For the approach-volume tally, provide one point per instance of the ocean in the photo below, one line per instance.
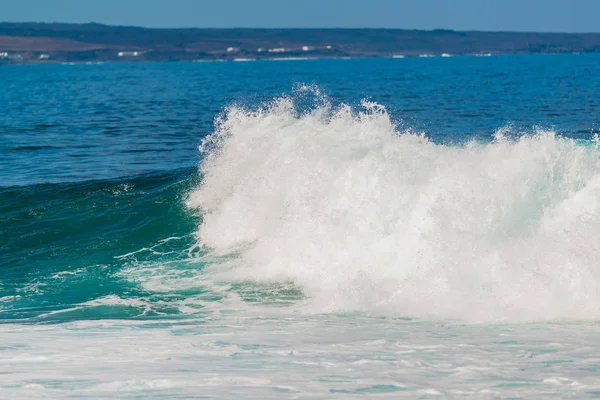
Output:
(302, 229)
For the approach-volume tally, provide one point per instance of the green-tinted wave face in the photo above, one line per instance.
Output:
(63, 244)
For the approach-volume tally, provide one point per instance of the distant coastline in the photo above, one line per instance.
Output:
(80, 43)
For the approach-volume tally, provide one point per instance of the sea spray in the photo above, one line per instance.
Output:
(364, 217)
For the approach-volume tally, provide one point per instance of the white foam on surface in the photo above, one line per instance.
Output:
(254, 355)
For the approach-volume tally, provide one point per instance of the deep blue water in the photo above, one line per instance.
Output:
(78, 122)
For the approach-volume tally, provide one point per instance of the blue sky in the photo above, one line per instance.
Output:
(517, 15)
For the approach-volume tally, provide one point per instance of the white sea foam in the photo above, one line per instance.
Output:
(251, 355)
(364, 217)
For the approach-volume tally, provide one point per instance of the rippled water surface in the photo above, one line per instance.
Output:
(75, 122)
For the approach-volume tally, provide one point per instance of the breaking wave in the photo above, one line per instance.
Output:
(364, 216)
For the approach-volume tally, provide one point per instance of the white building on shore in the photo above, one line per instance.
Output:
(129, 53)
(7, 56)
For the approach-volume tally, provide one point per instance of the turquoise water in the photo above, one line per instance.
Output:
(301, 229)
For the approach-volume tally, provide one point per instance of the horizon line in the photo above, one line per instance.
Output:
(297, 28)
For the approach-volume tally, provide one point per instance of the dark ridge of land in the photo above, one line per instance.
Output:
(59, 42)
